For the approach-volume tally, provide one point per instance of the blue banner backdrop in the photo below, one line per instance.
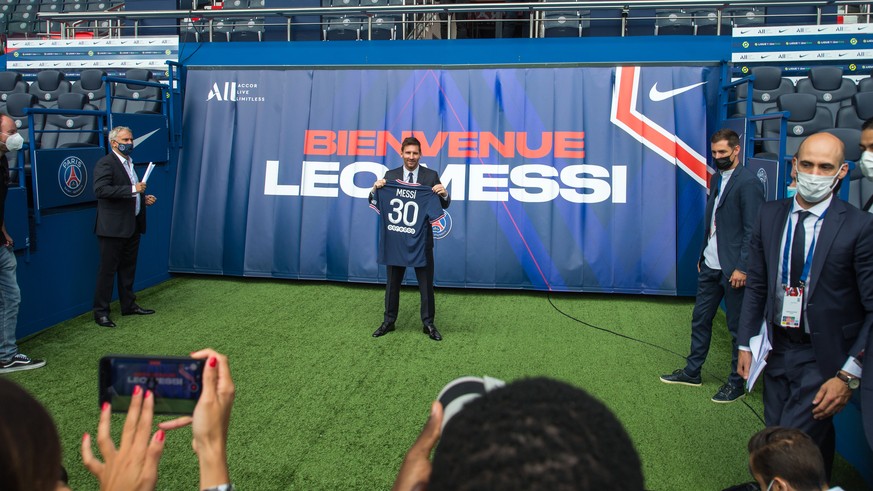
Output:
(566, 179)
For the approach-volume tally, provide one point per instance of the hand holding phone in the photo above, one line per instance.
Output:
(176, 382)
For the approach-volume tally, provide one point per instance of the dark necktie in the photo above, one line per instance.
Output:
(409, 178)
(797, 245)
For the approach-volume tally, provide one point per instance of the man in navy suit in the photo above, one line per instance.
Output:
(731, 211)
(811, 283)
(121, 219)
(412, 172)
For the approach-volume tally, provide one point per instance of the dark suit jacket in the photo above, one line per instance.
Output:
(426, 177)
(735, 217)
(116, 206)
(840, 292)
(867, 391)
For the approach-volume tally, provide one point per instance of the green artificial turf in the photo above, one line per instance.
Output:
(323, 405)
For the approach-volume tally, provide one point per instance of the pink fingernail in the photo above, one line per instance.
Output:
(85, 437)
(136, 390)
(105, 406)
(213, 361)
(148, 394)
(160, 435)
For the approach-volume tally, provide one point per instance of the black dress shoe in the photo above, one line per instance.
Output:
(104, 321)
(139, 311)
(432, 332)
(384, 329)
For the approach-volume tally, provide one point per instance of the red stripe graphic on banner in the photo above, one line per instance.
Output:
(665, 144)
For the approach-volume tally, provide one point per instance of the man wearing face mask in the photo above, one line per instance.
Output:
(810, 277)
(10, 295)
(731, 209)
(866, 163)
(121, 219)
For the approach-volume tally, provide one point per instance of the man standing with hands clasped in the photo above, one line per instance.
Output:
(811, 283)
(731, 210)
(121, 219)
(415, 174)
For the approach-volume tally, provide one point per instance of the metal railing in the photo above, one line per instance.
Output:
(424, 17)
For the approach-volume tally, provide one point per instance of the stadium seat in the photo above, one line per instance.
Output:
(133, 98)
(74, 6)
(561, 23)
(851, 138)
(49, 85)
(640, 22)
(221, 29)
(248, 30)
(26, 6)
(342, 28)
(193, 31)
(382, 28)
(673, 22)
(92, 86)
(861, 110)
(64, 131)
(860, 188)
(706, 23)
(766, 89)
(865, 84)
(745, 17)
(21, 24)
(791, 15)
(7, 6)
(805, 118)
(829, 87)
(10, 83)
(52, 7)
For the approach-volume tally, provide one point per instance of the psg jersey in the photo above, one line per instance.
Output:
(408, 210)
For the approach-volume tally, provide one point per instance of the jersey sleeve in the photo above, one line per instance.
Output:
(434, 209)
(374, 200)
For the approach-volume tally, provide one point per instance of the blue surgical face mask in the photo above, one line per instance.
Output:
(790, 192)
(125, 148)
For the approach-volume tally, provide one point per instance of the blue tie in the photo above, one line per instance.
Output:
(409, 179)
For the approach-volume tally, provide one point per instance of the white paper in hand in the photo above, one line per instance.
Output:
(760, 346)
(148, 172)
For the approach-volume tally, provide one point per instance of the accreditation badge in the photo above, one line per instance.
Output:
(792, 306)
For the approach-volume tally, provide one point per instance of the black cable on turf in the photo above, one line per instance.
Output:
(652, 345)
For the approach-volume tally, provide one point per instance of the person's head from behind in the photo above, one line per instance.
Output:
(30, 451)
(535, 434)
(786, 459)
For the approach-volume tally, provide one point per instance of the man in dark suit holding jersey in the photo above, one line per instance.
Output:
(121, 219)
(811, 283)
(412, 172)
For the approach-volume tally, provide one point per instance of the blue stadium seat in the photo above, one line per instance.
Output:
(865, 84)
(861, 110)
(133, 98)
(382, 28)
(640, 22)
(15, 105)
(67, 131)
(829, 87)
(49, 85)
(10, 83)
(745, 17)
(806, 118)
(92, 86)
(560, 23)
(791, 15)
(673, 22)
(248, 29)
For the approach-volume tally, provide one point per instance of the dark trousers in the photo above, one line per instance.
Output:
(117, 256)
(791, 381)
(712, 287)
(424, 275)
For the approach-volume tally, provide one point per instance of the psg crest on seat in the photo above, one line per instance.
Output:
(72, 176)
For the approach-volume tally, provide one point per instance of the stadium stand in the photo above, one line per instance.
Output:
(133, 98)
(10, 83)
(805, 118)
(92, 86)
(854, 115)
(673, 22)
(65, 131)
(830, 88)
(49, 85)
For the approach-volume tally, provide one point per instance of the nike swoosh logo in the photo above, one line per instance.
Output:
(143, 138)
(657, 96)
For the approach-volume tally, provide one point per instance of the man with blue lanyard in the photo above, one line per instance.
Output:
(810, 280)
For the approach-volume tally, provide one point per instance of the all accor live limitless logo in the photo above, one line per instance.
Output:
(234, 92)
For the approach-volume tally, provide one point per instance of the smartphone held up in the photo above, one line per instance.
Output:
(176, 382)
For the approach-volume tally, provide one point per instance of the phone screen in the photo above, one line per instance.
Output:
(176, 382)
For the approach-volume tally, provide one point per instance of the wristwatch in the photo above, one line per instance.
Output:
(851, 382)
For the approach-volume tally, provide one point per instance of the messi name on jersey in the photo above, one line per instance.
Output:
(408, 210)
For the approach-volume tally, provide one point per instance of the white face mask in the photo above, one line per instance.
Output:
(813, 188)
(866, 164)
(14, 142)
